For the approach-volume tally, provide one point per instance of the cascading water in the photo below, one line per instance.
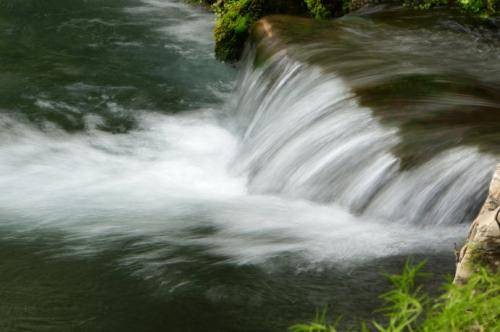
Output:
(305, 135)
(140, 192)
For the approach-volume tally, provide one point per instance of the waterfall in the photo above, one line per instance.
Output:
(293, 161)
(146, 186)
(305, 134)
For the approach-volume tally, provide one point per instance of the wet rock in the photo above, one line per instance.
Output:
(483, 242)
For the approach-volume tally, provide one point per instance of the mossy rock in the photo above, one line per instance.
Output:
(235, 17)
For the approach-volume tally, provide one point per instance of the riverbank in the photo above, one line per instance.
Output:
(236, 17)
(470, 303)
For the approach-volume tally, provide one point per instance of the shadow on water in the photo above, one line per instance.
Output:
(56, 293)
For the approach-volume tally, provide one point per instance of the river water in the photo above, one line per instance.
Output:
(144, 186)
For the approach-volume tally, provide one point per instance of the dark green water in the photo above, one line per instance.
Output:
(121, 208)
(61, 62)
(91, 294)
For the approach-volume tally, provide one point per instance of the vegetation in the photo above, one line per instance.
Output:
(471, 307)
(479, 7)
(317, 9)
(231, 28)
(483, 8)
(235, 17)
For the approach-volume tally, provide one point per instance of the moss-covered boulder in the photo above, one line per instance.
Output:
(234, 18)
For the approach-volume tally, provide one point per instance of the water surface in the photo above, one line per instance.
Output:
(146, 186)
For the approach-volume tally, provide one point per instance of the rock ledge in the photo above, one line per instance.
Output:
(483, 242)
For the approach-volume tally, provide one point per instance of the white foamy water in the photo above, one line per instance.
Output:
(167, 179)
(184, 22)
(305, 135)
(297, 168)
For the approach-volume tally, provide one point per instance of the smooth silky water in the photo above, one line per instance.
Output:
(144, 186)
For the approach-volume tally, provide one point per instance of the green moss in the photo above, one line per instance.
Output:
(231, 28)
(480, 8)
(235, 18)
(424, 4)
(317, 9)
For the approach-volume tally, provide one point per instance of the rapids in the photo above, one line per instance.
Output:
(146, 186)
